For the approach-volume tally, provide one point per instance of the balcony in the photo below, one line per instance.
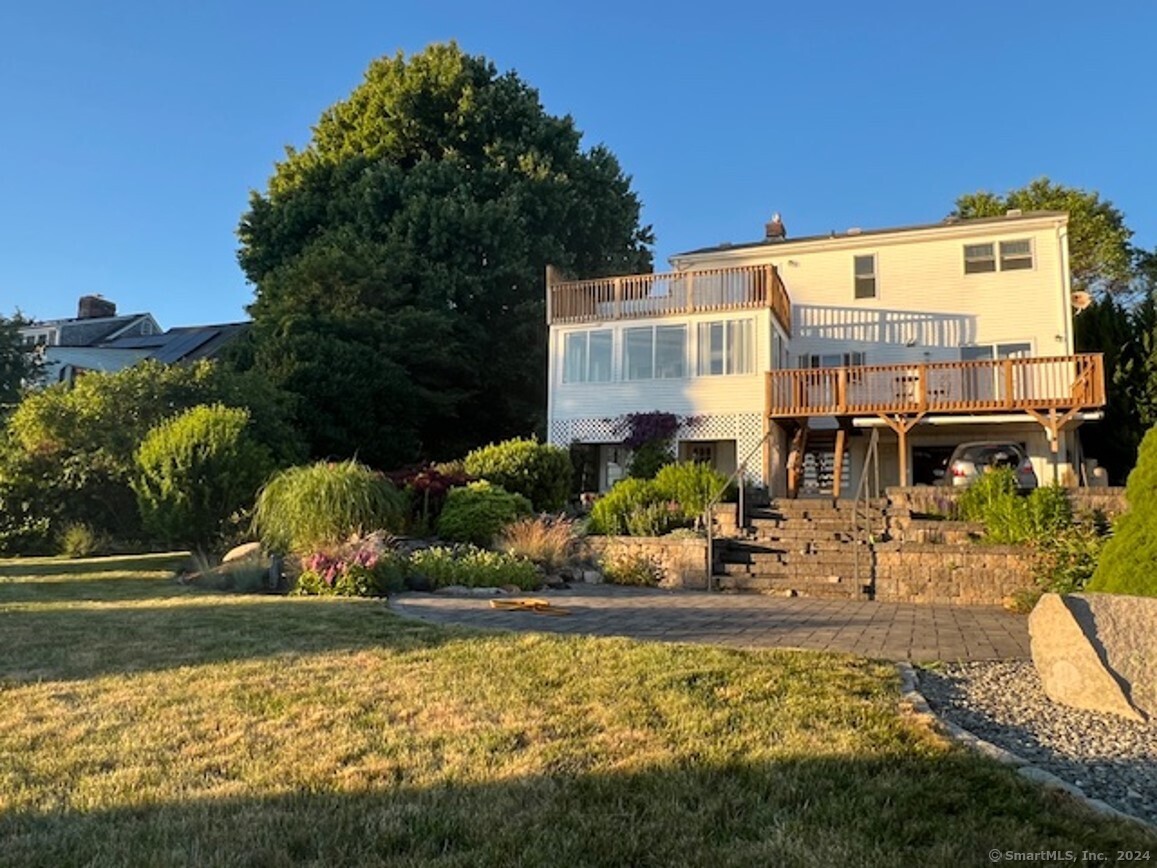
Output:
(636, 296)
(1030, 385)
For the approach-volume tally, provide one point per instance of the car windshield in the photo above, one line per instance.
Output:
(993, 455)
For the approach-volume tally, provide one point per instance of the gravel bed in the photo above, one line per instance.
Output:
(1108, 757)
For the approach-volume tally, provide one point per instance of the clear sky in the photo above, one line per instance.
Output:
(131, 132)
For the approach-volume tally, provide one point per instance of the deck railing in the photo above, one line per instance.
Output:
(950, 387)
(646, 295)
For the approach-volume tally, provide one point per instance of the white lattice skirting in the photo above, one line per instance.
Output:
(746, 429)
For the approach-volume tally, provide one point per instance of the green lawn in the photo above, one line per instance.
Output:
(143, 722)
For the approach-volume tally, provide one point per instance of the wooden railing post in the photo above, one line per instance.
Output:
(690, 278)
(1008, 402)
(922, 387)
(842, 390)
(618, 298)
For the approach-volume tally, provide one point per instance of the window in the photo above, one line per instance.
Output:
(587, 357)
(657, 352)
(979, 258)
(1015, 255)
(865, 276)
(726, 347)
(832, 360)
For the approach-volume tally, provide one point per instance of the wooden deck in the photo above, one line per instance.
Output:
(1003, 385)
(1051, 389)
(635, 296)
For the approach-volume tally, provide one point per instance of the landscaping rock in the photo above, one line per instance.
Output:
(1125, 635)
(592, 577)
(452, 590)
(1071, 671)
(554, 580)
(245, 551)
(416, 582)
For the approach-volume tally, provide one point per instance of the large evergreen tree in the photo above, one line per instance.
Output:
(398, 259)
(18, 365)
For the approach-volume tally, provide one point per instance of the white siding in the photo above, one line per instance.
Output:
(926, 307)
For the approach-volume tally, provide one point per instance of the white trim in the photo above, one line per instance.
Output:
(1018, 418)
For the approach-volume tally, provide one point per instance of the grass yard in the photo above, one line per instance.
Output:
(147, 723)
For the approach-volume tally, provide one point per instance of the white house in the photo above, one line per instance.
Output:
(934, 334)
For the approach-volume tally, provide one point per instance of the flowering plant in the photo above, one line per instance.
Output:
(364, 567)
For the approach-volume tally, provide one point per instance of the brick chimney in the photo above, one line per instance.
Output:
(94, 307)
(775, 230)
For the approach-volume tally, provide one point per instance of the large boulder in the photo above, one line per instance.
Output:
(1097, 652)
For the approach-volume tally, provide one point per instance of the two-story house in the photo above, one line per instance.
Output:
(934, 335)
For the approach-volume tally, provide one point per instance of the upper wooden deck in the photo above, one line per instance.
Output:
(1002, 385)
(635, 296)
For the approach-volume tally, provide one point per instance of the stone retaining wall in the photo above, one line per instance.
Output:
(682, 560)
(969, 574)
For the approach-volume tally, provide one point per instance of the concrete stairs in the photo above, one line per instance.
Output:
(803, 548)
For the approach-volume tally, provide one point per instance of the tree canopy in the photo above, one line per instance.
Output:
(398, 259)
(18, 366)
(1100, 255)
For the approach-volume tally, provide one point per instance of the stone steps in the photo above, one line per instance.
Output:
(833, 588)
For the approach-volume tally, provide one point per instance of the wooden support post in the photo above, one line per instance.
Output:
(838, 466)
(902, 425)
(1054, 425)
(1008, 399)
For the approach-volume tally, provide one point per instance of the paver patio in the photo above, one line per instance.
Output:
(891, 631)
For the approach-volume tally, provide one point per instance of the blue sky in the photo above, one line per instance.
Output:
(132, 132)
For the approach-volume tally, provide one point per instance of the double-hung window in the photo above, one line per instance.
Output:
(864, 270)
(587, 357)
(655, 352)
(832, 360)
(1013, 256)
(726, 347)
(979, 258)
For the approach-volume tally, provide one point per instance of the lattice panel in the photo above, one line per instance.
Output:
(746, 429)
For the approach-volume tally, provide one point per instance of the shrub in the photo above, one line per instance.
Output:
(478, 511)
(545, 540)
(318, 506)
(1128, 564)
(78, 540)
(632, 569)
(426, 488)
(690, 484)
(611, 512)
(195, 472)
(654, 520)
(538, 471)
(473, 567)
(365, 567)
(1009, 517)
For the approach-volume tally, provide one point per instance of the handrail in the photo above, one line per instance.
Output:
(871, 461)
(708, 512)
(632, 296)
(1037, 382)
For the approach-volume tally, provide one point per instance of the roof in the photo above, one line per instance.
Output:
(96, 320)
(183, 344)
(946, 223)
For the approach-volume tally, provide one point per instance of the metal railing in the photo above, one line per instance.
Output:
(861, 506)
(741, 513)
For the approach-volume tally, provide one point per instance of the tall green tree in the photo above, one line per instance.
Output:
(1100, 255)
(18, 365)
(398, 259)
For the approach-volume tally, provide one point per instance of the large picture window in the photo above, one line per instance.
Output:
(726, 347)
(587, 357)
(655, 352)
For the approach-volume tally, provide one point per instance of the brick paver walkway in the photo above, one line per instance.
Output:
(890, 631)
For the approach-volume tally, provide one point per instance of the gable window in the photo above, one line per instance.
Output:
(979, 258)
(587, 357)
(1015, 255)
(654, 352)
(865, 276)
(726, 347)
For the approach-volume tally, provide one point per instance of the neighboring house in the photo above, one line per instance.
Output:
(933, 335)
(98, 339)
